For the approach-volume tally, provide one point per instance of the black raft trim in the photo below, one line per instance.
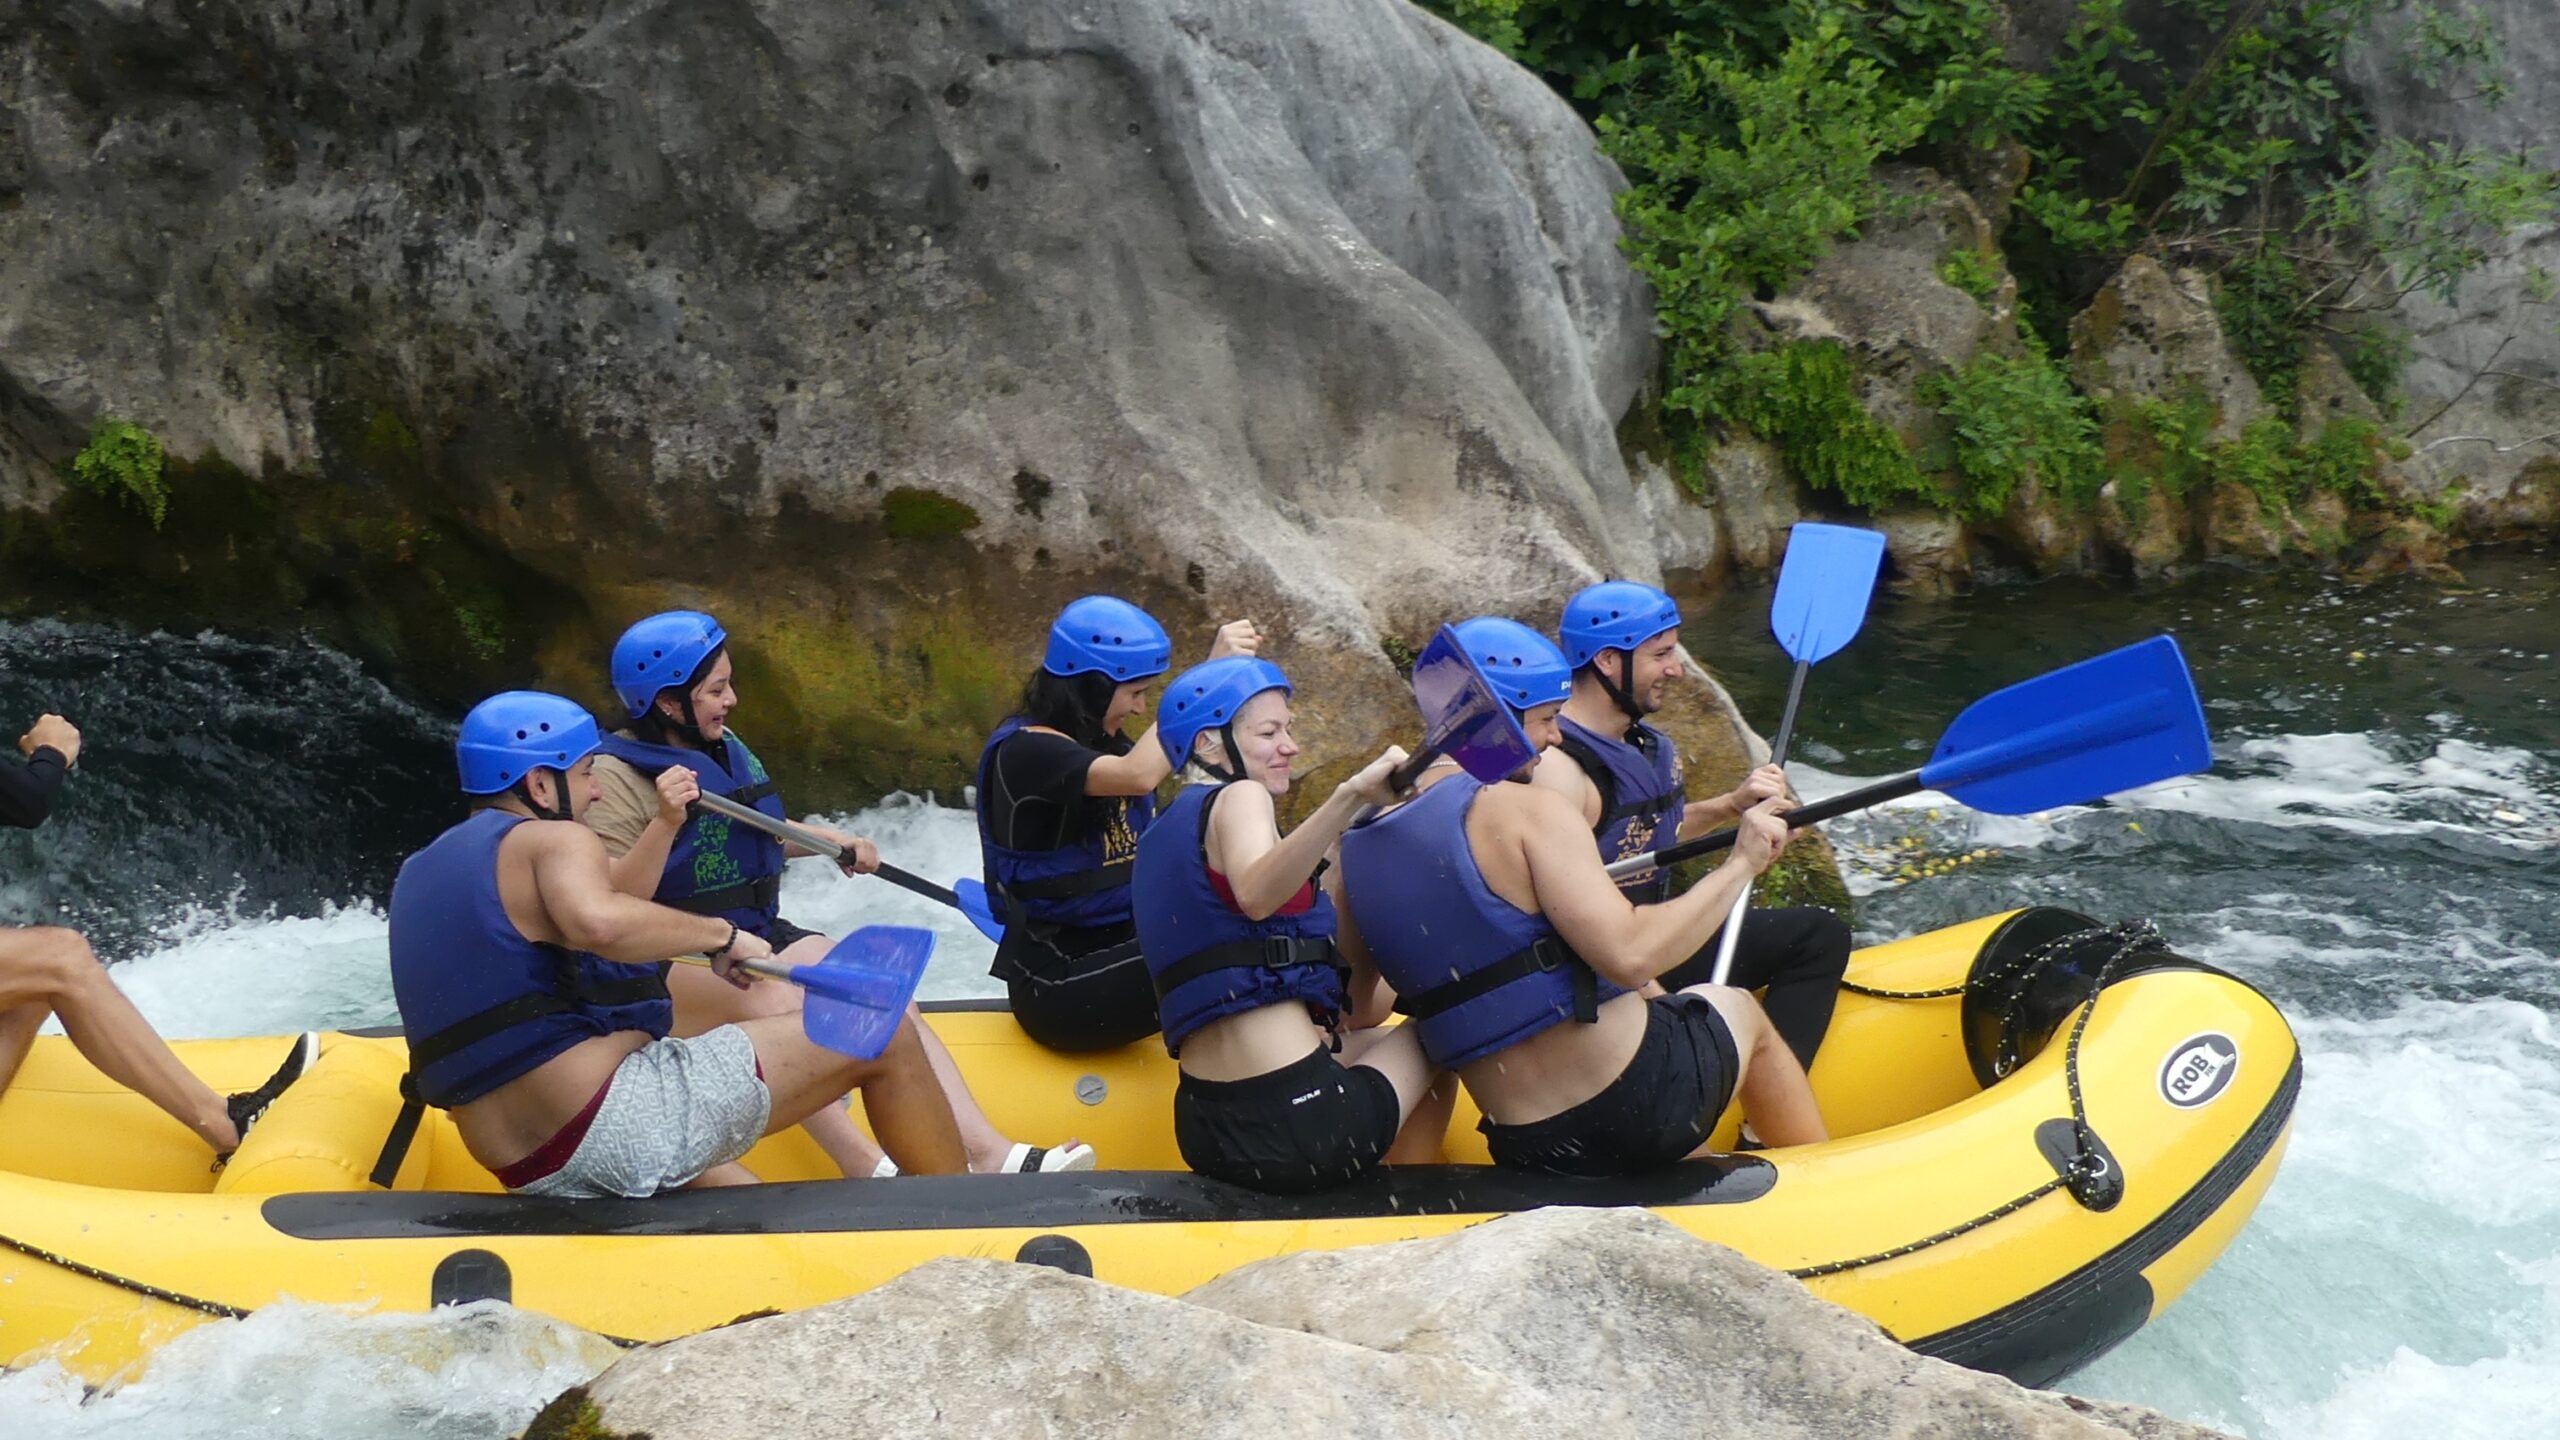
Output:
(987, 1202)
(1997, 1337)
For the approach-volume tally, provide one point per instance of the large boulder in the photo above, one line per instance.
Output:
(476, 330)
(1588, 1322)
(2484, 369)
(2151, 335)
(1886, 294)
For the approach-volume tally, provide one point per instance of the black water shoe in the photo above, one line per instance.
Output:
(248, 1105)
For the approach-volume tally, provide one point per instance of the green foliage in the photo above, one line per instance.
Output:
(1748, 131)
(2347, 459)
(124, 460)
(2432, 211)
(2267, 318)
(1750, 190)
(2264, 461)
(1802, 397)
(2439, 512)
(2374, 355)
(2018, 418)
(1975, 272)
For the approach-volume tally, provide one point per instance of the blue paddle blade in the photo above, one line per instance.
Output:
(1461, 716)
(1823, 588)
(975, 904)
(2127, 718)
(859, 992)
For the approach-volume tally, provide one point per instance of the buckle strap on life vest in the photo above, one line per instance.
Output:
(1273, 952)
(762, 893)
(1548, 953)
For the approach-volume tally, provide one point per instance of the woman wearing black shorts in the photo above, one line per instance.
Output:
(1063, 796)
(1287, 1085)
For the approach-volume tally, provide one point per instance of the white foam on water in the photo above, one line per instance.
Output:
(2403, 1274)
(293, 1371)
(220, 972)
(931, 841)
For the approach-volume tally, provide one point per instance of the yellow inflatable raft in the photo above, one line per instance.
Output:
(1960, 1205)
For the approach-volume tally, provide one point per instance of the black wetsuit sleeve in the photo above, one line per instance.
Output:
(1039, 784)
(27, 791)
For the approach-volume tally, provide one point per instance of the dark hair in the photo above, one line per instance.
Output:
(1073, 705)
(651, 724)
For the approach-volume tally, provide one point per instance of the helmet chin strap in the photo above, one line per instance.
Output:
(1234, 770)
(1618, 692)
(523, 789)
(687, 729)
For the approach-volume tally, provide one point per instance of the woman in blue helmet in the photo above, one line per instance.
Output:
(672, 672)
(1063, 796)
(1287, 1084)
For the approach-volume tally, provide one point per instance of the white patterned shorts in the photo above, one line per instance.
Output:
(673, 1109)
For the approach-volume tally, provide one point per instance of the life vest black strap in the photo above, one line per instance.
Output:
(756, 793)
(763, 893)
(1605, 780)
(1272, 952)
(1549, 953)
(573, 994)
(404, 1131)
(1075, 882)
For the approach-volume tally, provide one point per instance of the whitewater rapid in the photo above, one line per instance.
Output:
(2376, 846)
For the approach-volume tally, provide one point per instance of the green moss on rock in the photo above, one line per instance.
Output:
(908, 513)
(572, 1415)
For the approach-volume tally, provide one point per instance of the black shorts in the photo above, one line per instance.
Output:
(1077, 990)
(1661, 1107)
(1306, 1126)
(782, 934)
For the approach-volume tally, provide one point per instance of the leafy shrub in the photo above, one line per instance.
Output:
(1802, 397)
(2015, 418)
(124, 460)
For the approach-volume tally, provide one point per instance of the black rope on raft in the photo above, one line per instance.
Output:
(126, 1282)
(2131, 938)
(197, 1303)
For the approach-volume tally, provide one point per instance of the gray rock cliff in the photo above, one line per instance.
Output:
(479, 330)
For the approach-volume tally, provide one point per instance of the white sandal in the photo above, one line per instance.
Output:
(1047, 1160)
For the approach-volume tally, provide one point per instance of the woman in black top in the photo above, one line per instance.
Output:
(1062, 797)
(47, 970)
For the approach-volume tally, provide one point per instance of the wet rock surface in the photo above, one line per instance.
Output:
(1558, 1321)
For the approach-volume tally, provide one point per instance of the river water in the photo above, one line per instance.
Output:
(2375, 846)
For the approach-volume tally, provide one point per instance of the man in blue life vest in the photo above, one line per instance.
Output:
(1623, 641)
(1488, 910)
(536, 1003)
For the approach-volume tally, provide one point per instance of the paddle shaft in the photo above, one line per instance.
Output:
(1848, 802)
(772, 968)
(819, 844)
(1726, 947)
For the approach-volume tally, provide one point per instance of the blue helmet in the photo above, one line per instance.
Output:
(509, 735)
(661, 651)
(1525, 667)
(1102, 632)
(1207, 696)
(1614, 615)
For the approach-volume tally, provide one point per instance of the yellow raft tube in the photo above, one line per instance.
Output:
(1956, 1207)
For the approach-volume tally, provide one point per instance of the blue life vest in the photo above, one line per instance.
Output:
(1641, 797)
(1207, 959)
(1476, 973)
(1083, 883)
(483, 1004)
(717, 866)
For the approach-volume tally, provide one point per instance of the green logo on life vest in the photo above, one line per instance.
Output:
(713, 869)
